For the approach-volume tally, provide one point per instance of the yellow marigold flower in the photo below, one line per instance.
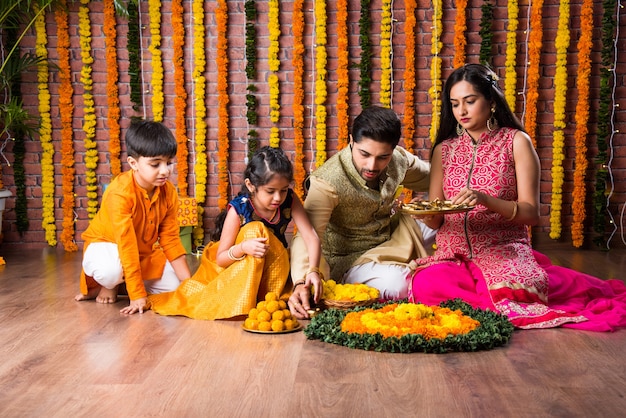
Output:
(277, 325)
(265, 326)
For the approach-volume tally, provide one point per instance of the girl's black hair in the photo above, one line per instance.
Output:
(266, 163)
(146, 138)
(485, 82)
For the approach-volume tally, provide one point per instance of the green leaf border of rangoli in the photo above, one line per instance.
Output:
(495, 330)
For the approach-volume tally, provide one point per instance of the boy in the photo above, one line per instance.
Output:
(134, 237)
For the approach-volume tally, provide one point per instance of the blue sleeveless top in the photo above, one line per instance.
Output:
(245, 210)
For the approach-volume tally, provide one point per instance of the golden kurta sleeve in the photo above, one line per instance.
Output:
(319, 204)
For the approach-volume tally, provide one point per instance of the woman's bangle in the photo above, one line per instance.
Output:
(232, 256)
(514, 211)
(314, 270)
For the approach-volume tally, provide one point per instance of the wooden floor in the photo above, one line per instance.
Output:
(61, 358)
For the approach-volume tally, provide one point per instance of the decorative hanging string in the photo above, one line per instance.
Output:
(385, 54)
(320, 82)
(221, 13)
(510, 79)
(365, 65)
(460, 41)
(144, 91)
(113, 101)
(408, 121)
(89, 112)
(274, 66)
(180, 96)
(66, 111)
(615, 105)
(297, 60)
(435, 70)
(158, 99)
(558, 143)
(45, 131)
(252, 116)
(343, 75)
(199, 111)
(585, 43)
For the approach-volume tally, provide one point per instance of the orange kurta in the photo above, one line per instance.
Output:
(214, 292)
(145, 230)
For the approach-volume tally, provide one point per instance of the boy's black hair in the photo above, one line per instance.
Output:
(150, 139)
(266, 163)
(378, 123)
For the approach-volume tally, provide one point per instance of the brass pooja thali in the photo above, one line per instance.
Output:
(435, 207)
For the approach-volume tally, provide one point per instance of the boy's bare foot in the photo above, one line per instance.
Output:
(91, 294)
(107, 295)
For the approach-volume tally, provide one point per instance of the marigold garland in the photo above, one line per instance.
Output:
(274, 66)
(113, 101)
(372, 328)
(486, 33)
(534, 58)
(297, 22)
(343, 76)
(320, 82)
(89, 112)
(221, 13)
(558, 143)
(510, 77)
(199, 85)
(66, 111)
(180, 96)
(585, 44)
(435, 70)
(365, 65)
(158, 99)
(408, 121)
(460, 26)
(385, 54)
(45, 133)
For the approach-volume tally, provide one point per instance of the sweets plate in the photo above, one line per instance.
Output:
(434, 208)
(286, 331)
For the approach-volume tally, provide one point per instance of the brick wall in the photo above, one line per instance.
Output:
(238, 83)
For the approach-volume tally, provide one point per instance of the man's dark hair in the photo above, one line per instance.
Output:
(379, 124)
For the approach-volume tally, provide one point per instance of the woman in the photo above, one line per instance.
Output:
(482, 157)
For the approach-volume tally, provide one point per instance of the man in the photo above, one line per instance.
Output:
(350, 203)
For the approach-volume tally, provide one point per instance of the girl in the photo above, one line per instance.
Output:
(251, 257)
(482, 157)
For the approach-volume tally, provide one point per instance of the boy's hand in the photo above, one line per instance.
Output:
(137, 305)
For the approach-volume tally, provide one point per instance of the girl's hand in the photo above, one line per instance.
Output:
(255, 247)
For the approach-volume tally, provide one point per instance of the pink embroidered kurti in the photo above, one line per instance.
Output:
(481, 257)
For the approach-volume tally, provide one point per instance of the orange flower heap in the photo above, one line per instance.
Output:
(399, 319)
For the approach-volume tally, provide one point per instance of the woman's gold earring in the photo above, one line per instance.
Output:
(459, 129)
(492, 122)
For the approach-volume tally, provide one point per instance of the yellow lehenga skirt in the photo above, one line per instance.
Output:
(214, 292)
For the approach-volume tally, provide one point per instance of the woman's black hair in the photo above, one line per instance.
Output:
(264, 165)
(485, 82)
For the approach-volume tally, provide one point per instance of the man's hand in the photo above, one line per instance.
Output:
(137, 305)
